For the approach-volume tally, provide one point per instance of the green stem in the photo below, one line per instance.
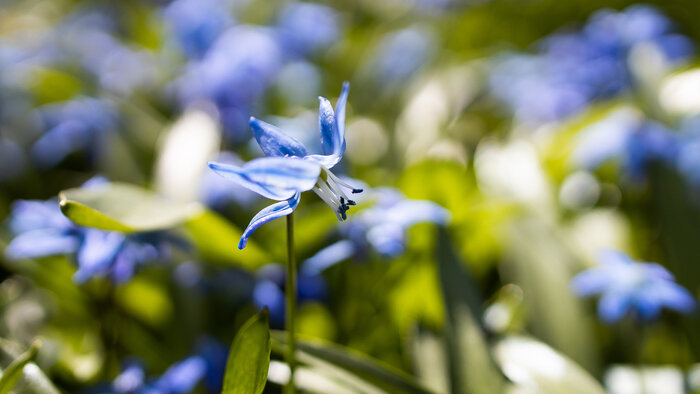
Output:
(291, 302)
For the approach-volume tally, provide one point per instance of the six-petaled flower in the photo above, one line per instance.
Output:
(629, 286)
(290, 169)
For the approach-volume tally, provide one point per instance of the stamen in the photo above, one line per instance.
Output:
(341, 182)
(355, 191)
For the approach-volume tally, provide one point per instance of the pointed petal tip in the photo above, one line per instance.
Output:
(346, 85)
(242, 243)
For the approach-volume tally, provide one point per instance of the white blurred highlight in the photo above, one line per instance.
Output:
(680, 93)
(512, 171)
(649, 380)
(184, 152)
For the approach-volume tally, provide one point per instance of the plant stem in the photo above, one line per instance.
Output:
(291, 303)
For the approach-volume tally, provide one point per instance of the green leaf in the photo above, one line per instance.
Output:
(679, 231)
(319, 353)
(471, 367)
(13, 372)
(534, 365)
(22, 375)
(249, 359)
(542, 266)
(217, 241)
(124, 207)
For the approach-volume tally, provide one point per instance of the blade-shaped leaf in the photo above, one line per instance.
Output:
(542, 266)
(217, 241)
(533, 365)
(471, 368)
(21, 375)
(124, 207)
(13, 372)
(249, 359)
(372, 371)
(679, 224)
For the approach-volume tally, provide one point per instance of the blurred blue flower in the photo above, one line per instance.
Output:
(41, 230)
(198, 23)
(401, 54)
(573, 69)
(180, 378)
(307, 27)
(381, 228)
(270, 288)
(233, 75)
(627, 137)
(628, 286)
(91, 37)
(79, 124)
(289, 169)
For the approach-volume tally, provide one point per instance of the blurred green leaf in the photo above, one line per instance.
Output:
(538, 262)
(317, 352)
(217, 241)
(21, 375)
(430, 359)
(534, 365)
(124, 207)
(10, 375)
(249, 358)
(679, 232)
(471, 368)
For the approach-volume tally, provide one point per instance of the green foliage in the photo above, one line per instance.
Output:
(124, 207)
(318, 353)
(471, 368)
(217, 240)
(22, 375)
(249, 358)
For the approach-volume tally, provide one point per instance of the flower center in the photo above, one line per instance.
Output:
(330, 188)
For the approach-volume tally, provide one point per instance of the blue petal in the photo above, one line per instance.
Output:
(591, 281)
(130, 380)
(675, 297)
(183, 376)
(277, 178)
(97, 253)
(267, 294)
(267, 215)
(409, 212)
(274, 142)
(612, 306)
(41, 243)
(328, 256)
(332, 127)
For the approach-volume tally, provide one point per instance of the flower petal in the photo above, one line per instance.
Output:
(267, 215)
(97, 252)
(332, 127)
(612, 306)
(41, 243)
(328, 256)
(274, 142)
(277, 178)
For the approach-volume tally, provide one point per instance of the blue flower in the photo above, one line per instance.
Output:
(198, 23)
(41, 230)
(79, 124)
(628, 286)
(381, 228)
(627, 137)
(571, 70)
(307, 27)
(290, 169)
(270, 288)
(180, 378)
(207, 365)
(234, 74)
